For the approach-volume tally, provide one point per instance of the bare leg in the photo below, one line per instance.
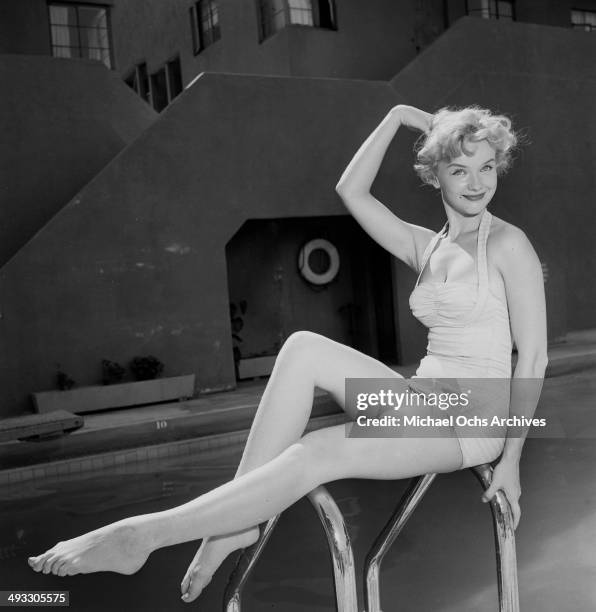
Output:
(306, 360)
(319, 457)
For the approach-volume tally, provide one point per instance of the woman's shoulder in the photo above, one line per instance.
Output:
(507, 243)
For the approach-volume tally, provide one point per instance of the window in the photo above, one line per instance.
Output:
(161, 87)
(80, 30)
(138, 80)
(204, 21)
(174, 78)
(159, 90)
(491, 9)
(276, 14)
(583, 20)
(144, 86)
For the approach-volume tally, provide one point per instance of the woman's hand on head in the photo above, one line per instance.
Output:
(506, 479)
(413, 117)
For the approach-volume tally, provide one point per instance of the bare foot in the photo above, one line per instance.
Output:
(115, 548)
(209, 557)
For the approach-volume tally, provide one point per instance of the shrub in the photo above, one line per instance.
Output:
(146, 368)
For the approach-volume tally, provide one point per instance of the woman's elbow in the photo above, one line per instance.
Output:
(340, 188)
(343, 190)
(350, 196)
(541, 363)
(534, 363)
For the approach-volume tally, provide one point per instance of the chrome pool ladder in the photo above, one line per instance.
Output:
(343, 558)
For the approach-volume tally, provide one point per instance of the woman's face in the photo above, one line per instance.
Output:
(468, 182)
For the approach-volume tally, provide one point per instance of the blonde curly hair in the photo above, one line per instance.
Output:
(451, 129)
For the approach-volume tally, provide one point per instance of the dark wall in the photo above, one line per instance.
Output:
(367, 45)
(164, 30)
(135, 263)
(371, 42)
(262, 260)
(24, 27)
(374, 39)
(355, 308)
(61, 122)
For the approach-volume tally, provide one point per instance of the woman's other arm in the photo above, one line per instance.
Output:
(404, 240)
(524, 286)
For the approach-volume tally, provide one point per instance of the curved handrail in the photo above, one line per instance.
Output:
(343, 559)
(372, 566)
(504, 542)
(344, 572)
(244, 567)
(340, 547)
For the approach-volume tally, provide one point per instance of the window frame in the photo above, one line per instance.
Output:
(140, 72)
(175, 58)
(582, 27)
(492, 15)
(198, 42)
(153, 77)
(135, 74)
(76, 5)
(265, 32)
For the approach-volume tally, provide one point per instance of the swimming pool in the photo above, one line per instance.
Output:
(444, 559)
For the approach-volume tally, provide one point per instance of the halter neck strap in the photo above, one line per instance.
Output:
(481, 268)
(481, 263)
(430, 249)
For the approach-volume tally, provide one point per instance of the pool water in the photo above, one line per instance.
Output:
(444, 559)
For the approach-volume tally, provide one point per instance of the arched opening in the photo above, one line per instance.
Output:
(321, 274)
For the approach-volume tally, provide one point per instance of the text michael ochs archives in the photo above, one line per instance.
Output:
(423, 404)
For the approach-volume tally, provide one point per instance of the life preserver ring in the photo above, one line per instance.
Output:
(318, 278)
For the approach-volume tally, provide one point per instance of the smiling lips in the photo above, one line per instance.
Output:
(475, 198)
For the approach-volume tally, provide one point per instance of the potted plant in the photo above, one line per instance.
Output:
(147, 388)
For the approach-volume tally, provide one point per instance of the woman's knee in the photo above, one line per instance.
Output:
(301, 346)
(315, 459)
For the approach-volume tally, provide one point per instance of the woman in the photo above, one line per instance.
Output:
(477, 275)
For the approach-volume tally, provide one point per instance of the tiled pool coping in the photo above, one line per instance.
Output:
(89, 463)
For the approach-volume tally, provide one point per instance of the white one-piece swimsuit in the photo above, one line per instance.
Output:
(468, 338)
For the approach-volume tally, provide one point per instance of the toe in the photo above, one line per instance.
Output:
(56, 563)
(50, 563)
(185, 582)
(37, 562)
(197, 583)
(60, 568)
(41, 561)
(46, 565)
(70, 569)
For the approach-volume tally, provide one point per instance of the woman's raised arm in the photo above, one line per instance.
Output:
(404, 240)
